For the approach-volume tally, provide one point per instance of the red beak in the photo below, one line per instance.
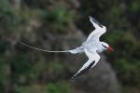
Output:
(110, 49)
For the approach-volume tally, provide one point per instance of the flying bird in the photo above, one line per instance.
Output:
(92, 47)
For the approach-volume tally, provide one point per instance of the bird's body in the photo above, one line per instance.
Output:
(92, 47)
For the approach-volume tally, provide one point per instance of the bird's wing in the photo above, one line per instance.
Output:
(99, 30)
(94, 22)
(92, 61)
(96, 35)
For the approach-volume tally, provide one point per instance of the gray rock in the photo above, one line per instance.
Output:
(100, 79)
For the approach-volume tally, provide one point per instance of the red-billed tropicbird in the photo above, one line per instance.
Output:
(92, 47)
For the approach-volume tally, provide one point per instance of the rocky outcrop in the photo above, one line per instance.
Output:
(100, 79)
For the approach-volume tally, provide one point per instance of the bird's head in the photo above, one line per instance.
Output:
(107, 47)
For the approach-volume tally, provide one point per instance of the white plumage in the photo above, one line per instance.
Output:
(92, 46)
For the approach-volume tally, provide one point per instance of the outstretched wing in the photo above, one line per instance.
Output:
(99, 30)
(84, 68)
(92, 61)
(94, 22)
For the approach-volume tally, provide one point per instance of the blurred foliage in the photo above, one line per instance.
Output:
(27, 71)
(20, 68)
(60, 18)
(126, 57)
(50, 88)
(122, 20)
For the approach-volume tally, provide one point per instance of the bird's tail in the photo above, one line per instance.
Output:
(77, 50)
(35, 48)
(73, 51)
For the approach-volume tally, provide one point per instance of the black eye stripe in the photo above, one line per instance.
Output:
(104, 45)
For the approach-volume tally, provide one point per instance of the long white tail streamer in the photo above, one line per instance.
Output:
(35, 48)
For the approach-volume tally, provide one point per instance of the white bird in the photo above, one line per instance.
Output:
(92, 47)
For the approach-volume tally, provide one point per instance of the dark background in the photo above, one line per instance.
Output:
(62, 25)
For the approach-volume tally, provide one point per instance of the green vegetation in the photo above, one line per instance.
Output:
(122, 21)
(50, 88)
(23, 70)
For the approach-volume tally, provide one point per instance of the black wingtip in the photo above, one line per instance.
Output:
(82, 71)
(94, 20)
(73, 77)
(90, 17)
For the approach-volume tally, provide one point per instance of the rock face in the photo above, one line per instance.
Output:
(100, 79)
